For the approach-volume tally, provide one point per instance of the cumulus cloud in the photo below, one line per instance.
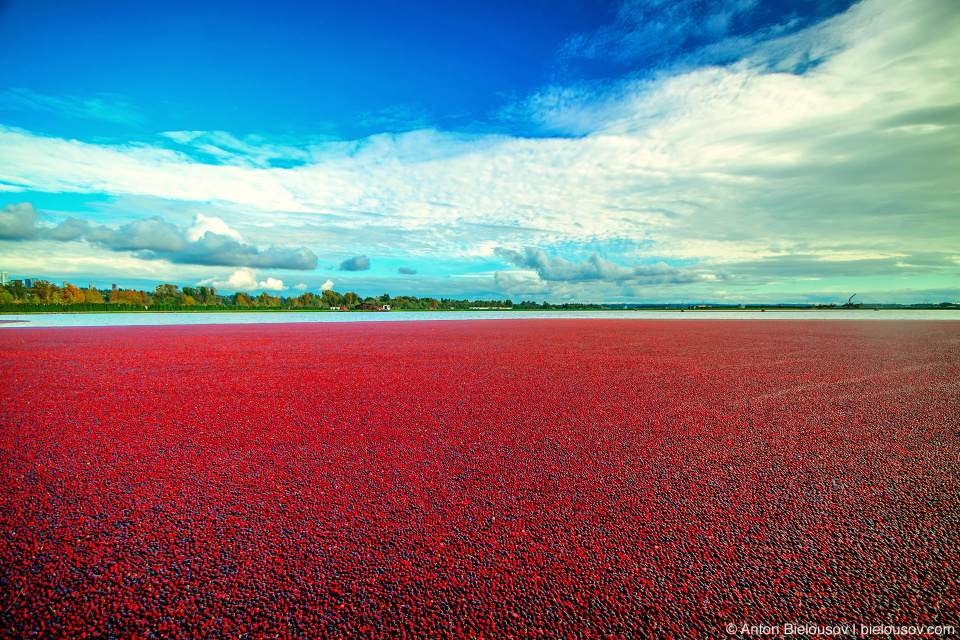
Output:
(356, 263)
(327, 286)
(300, 287)
(558, 269)
(272, 284)
(245, 280)
(208, 242)
(407, 271)
(202, 224)
(216, 250)
(70, 229)
(18, 222)
(521, 283)
(151, 234)
(239, 280)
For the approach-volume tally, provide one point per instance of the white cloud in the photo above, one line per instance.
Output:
(213, 224)
(154, 238)
(272, 284)
(18, 222)
(240, 280)
(521, 284)
(594, 268)
(245, 280)
(300, 287)
(326, 286)
(52, 164)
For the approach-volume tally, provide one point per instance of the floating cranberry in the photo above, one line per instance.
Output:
(575, 478)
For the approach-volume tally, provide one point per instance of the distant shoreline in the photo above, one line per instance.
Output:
(478, 311)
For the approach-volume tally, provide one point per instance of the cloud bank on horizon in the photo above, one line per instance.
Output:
(739, 150)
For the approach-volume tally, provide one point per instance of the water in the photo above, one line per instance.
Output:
(283, 317)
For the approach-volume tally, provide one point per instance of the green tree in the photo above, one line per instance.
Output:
(167, 294)
(205, 295)
(46, 292)
(331, 298)
(16, 289)
(307, 299)
(72, 294)
(92, 296)
(131, 296)
(266, 300)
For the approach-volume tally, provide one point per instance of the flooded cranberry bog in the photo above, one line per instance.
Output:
(575, 478)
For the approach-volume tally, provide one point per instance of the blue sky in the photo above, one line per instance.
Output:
(641, 150)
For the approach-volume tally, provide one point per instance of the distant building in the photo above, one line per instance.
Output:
(385, 307)
(3, 277)
(114, 286)
(27, 282)
(90, 286)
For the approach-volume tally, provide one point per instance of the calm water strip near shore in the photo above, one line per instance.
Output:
(287, 317)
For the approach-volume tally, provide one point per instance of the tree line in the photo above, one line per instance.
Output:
(43, 295)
